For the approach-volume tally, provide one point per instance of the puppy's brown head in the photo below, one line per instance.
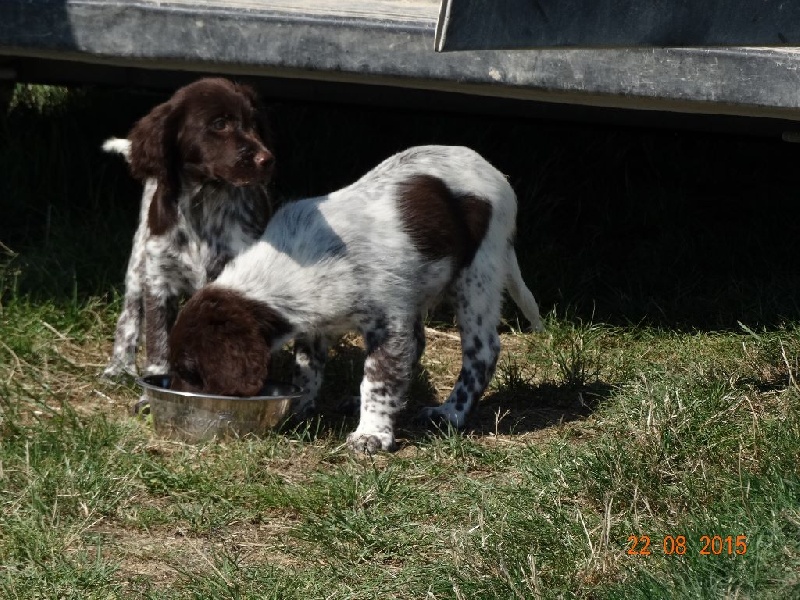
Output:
(210, 130)
(221, 343)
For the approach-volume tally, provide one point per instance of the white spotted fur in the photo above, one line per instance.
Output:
(344, 262)
(211, 229)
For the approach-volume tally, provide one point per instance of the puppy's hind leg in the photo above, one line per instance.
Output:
(478, 301)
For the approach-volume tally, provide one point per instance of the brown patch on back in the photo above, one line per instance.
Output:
(440, 223)
(221, 343)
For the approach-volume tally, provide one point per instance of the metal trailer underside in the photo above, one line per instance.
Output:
(384, 51)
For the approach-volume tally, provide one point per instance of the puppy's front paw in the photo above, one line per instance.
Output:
(370, 443)
(116, 370)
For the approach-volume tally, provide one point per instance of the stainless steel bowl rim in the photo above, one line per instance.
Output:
(146, 383)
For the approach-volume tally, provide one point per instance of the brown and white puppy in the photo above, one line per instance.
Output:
(372, 258)
(204, 158)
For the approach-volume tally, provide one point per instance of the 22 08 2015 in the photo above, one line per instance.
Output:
(709, 545)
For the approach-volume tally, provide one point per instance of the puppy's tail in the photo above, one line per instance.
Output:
(118, 146)
(520, 293)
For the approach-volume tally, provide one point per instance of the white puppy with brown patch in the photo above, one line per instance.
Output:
(372, 257)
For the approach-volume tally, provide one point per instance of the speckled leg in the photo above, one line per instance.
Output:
(352, 406)
(126, 338)
(387, 371)
(160, 310)
(478, 314)
(129, 323)
(310, 355)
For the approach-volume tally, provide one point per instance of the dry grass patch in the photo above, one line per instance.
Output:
(166, 555)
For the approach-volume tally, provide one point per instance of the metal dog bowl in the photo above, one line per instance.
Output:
(192, 418)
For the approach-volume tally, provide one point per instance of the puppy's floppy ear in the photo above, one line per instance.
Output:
(154, 141)
(163, 212)
(154, 153)
(221, 342)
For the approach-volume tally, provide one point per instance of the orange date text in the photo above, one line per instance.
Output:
(678, 545)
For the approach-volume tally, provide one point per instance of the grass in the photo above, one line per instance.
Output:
(662, 401)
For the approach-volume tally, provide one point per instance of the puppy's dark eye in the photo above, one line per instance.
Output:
(219, 124)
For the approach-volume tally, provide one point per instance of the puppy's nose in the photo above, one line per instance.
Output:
(263, 158)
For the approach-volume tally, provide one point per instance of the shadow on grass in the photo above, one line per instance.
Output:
(512, 410)
(527, 407)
